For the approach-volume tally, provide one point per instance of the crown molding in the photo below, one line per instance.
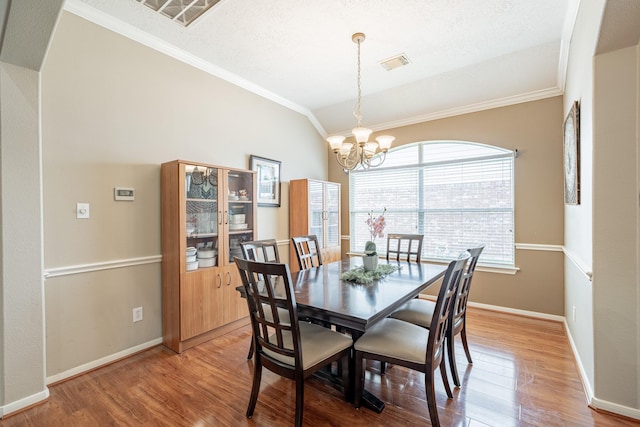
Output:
(471, 108)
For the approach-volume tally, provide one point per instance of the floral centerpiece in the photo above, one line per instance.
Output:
(376, 229)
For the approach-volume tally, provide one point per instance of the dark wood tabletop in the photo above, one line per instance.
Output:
(321, 294)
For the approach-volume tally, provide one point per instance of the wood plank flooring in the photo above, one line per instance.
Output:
(523, 375)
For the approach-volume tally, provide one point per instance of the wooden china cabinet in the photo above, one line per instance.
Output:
(314, 208)
(207, 211)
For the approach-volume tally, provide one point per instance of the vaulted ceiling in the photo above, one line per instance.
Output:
(465, 55)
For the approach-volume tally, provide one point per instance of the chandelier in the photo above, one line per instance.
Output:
(364, 153)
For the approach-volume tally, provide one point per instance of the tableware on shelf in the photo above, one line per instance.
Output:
(207, 262)
(191, 251)
(237, 219)
(238, 226)
(206, 253)
(192, 265)
(191, 258)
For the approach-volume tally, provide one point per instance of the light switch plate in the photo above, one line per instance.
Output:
(82, 210)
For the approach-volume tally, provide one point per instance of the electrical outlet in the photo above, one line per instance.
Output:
(573, 313)
(137, 314)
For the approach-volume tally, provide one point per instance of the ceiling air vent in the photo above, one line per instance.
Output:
(395, 62)
(183, 12)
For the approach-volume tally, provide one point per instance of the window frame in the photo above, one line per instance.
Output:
(493, 152)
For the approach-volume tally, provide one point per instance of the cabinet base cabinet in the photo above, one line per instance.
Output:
(207, 211)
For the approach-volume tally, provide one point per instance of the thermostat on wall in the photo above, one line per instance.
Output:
(121, 193)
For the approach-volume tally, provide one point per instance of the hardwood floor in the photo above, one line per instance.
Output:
(523, 375)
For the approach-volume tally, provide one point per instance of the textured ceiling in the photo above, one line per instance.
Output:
(465, 54)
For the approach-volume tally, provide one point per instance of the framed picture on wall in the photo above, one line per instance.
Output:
(268, 175)
(571, 149)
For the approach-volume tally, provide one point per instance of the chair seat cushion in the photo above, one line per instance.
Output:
(416, 311)
(395, 338)
(318, 344)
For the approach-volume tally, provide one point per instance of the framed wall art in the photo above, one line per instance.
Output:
(571, 151)
(268, 174)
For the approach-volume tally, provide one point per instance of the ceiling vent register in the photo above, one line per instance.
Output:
(184, 12)
(395, 62)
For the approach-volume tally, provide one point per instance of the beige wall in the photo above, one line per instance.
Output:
(535, 130)
(113, 111)
(615, 228)
(21, 303)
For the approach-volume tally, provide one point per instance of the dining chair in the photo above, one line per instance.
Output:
(404, 247)
(283, 345)
(405, 344)
(420, 312)
(260, 250)
(307, 251)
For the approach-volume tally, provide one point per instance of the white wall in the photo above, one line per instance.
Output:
(578, 220)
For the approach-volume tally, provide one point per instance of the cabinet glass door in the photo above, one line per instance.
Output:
(239, 213)
(316, 211)
(332, 208)
(202, 217)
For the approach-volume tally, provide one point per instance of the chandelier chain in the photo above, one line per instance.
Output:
(357, 113)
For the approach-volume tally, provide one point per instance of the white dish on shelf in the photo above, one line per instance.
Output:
(237, 219)
(238, 226)
(192, 266)
(206, 253)
(233, 197)
(207, 262)
(191, 258)
(243, 198)
(191, 251)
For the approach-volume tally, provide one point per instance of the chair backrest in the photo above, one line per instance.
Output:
(261, 250)
(460, 306)
(307, 251)
(268, 287)
(444, 304)
(404, 247)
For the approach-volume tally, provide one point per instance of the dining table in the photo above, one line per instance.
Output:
(323, 296)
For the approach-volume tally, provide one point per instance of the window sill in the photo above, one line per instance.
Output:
(488, 268)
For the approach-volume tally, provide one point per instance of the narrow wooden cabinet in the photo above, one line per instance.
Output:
(314, 208)
(207, 211)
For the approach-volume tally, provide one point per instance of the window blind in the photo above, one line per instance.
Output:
(456, 199)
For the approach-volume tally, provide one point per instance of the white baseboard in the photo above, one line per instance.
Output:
(588, 388)
(102, 361)
(519, 312)
(24, 402)
(615, 408)
(594, 402)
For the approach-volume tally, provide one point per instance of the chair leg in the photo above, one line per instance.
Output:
(451, 350)
(344, 370)
(255, 388)
(463, 335)
(299, 400)
(445, 378)
(250, 355)
(383, 368)
(359, 379)
(430, 389)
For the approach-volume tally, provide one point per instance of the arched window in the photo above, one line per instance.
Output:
(456, 193)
